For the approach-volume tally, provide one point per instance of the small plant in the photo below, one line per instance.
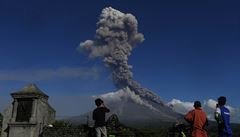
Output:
(61, 123)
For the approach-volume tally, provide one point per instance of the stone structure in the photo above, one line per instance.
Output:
(28, 113)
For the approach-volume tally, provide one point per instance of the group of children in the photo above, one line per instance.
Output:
(196, 117)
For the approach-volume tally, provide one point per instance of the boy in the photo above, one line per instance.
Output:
(225, 130)
(198, 119)
(99, 117)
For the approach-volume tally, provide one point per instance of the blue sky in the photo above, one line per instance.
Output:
(191, 48)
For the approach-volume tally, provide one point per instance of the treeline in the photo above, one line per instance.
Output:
(116, 129)
(64, 129)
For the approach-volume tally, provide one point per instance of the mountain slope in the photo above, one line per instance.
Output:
(133, 109)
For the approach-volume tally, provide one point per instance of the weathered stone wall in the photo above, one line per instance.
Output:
(45, 114)
(21, 131)
(38, 113)
(6, 118)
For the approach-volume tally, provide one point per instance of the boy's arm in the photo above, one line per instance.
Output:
(218, 117)
(106, 109)
(189, 117)
(217, 114)
(205, 124)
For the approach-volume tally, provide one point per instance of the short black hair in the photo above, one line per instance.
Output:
(222, 100)
(197, 104)
(98, 102)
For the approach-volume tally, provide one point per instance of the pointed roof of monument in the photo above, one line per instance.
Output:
(30, 90)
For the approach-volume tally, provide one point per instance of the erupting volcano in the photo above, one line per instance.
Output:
(116, 36)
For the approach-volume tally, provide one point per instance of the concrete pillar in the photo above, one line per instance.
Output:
(14, 113)
(34, 110)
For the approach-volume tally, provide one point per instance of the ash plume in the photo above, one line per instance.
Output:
(116, 36)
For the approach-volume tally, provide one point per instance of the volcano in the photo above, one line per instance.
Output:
(116, 36)
(132, 109)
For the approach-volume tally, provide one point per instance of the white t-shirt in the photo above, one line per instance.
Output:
(218, 110)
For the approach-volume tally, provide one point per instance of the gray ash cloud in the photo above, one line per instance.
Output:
(116, 36)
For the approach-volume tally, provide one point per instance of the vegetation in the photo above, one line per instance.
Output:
(61, 123)
(64, 129)
(116, 129)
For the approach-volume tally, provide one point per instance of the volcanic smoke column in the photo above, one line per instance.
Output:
(116, 36)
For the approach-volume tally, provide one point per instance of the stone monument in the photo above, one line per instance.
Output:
(28, 113)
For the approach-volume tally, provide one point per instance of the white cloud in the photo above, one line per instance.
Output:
(180, 107)
(211, 103)
(208, 106)
(48, 74)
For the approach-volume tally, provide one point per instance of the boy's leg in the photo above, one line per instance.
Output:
(98, 131)
(104, 131)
